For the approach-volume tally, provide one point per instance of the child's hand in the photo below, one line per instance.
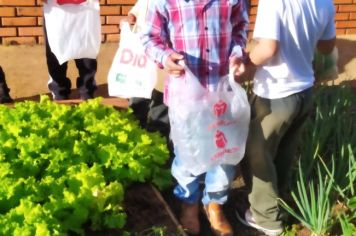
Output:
(238, 69)
(237, 66)
(172, 65)
(131, 18)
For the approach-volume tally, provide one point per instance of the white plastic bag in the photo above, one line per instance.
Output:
(208, 128)
(132, 73)
(73, 30)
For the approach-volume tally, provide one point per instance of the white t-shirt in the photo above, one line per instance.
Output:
(297, 25)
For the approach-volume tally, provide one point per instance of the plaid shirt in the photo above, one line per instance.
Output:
(206, 32)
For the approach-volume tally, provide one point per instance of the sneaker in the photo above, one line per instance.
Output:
(59, 92)
(250, 221)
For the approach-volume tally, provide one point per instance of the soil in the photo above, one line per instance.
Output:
(26, 75)
(145, 204)
(145, 209)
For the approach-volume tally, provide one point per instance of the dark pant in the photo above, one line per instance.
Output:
(2, 77)
(60, 85)
(4, 90)
(153, 115)
(270, 150)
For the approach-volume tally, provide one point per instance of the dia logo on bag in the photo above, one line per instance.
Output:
(130, 57)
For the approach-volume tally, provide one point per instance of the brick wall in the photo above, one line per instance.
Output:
(345, 16)
(21, 20)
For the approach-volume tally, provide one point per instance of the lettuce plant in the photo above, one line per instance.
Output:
(63, 167)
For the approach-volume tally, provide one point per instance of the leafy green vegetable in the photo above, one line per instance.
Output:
(63, 167)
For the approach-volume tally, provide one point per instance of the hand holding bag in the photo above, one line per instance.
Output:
(208, 128)
(73, 28)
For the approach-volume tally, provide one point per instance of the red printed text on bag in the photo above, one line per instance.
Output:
(220, 142)
(76, 2)
(129, 57)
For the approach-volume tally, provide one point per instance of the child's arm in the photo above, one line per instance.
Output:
(327, 40)
(239, 19)
(326, 46)
(263, 51)
(152, 38)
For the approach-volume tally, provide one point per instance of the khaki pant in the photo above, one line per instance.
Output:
(271, 146)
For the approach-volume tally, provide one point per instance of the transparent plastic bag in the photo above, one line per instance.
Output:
(208, 128)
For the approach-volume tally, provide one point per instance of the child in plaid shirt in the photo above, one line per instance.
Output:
(206, 35)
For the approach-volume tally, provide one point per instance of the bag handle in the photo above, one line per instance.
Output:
(236, 88)
(134, 27)
(234, 85)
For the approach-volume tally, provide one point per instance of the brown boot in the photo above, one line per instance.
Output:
(217, 219)
(189, 218)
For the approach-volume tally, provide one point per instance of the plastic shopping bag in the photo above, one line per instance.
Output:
(73, 28)
(208, 128)
(325, 66)
(132, 73)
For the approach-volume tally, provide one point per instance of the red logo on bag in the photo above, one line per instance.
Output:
(220, 108)
(128, 57)
(220, 139)
(76, 2)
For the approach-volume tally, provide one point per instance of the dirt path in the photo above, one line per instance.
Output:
(347, 60)
(26, 70)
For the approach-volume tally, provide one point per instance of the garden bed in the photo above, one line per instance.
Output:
(146, 211)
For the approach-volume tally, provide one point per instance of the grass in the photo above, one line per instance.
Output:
(326, 173)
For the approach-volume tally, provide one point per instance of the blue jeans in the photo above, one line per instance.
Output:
(217, 182)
